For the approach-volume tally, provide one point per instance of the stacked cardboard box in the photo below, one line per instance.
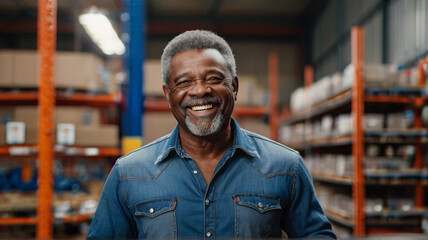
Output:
(88, 128)
(73, 70)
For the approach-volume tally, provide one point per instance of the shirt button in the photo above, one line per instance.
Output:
(260, 205)
(208, 234)
(195, 172)
(207, 202)
(151, 210)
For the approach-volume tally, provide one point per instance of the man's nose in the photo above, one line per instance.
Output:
(200, 88)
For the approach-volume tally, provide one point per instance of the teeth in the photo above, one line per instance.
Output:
(202, 107)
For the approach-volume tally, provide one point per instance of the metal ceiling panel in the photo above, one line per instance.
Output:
(265, 7)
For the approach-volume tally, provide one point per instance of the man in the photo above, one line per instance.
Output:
(208, 178)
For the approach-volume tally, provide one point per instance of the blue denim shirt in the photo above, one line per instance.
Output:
(258, 189)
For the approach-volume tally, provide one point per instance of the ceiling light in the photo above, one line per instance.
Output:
(100, 29)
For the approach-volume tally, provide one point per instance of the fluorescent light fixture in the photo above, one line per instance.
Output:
(102, 32)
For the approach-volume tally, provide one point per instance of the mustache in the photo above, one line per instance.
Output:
(189, 102)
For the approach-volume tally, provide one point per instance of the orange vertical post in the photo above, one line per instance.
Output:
(46, 35)
(273, 96)
(358, 190)
(309, 75)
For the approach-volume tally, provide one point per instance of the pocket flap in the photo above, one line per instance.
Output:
(154, 207)
(259, 202)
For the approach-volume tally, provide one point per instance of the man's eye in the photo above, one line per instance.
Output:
(214, 80)
(183, 82)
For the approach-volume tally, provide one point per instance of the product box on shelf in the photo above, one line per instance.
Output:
(78, 115)
(97, 136)
(256, 125)
(400, 121)
(2, 134)
(250, 92)
(152, 78)
(6, 68)
(78, 71)
(373, 121)
(73, 70)
(156, 125)
(380, 75)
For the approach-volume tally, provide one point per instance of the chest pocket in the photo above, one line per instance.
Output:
(255, 215)
(157, 218)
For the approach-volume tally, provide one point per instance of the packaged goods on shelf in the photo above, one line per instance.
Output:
(400, 121)
(374, 205)
(251, 93)
(336, 83)
(326, 126)
(6, 68)
(386, 164)
(79, 116)
(343, 124)
(97, 136)
(380, 75)
(152, 77)
(348, 77)
(285, 134)
(401, 204)
(343, 205)
(408, 77)
(157, 125)
(257, 125)
(333, 165)
(299, 99)
(373, 121)
(73, 70)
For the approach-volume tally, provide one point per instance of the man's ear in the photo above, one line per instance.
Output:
(166, 94)
(235, 87)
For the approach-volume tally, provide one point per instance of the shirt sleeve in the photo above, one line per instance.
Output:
(112, 219)
(305, 217)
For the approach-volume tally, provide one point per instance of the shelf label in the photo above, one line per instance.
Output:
(91, 152)
(20, 150)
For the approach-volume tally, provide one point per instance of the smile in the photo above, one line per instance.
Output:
(202, 107)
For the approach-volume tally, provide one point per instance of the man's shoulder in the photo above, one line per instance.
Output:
(264, 144)
(141, 163)
(274, 158)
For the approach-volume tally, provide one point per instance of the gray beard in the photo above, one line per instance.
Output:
(200, 129)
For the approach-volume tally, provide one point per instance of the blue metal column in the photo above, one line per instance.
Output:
(134, 27)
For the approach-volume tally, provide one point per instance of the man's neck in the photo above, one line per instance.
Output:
(207, 147)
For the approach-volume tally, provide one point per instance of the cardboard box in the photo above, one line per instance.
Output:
(156, 125)
(153, 78)
(255, 125)
(79, 116)
(6, 68)
(97, 136)
(2, 135)
(67, 74)
(32, 135)
(75, 70)
(26, 69)
(6, 114)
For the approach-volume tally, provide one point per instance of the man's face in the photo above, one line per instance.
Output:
(201, 91)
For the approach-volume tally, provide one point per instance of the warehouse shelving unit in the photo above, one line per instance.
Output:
(359, 100)
(27, 154)
(45, 151)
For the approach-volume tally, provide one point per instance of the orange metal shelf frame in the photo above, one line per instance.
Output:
(19, 98)
(31, 150)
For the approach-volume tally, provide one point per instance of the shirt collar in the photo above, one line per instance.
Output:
(240, 141)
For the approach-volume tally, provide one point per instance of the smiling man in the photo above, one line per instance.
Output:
(208, 178)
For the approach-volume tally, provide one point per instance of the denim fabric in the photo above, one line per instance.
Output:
(258, 189)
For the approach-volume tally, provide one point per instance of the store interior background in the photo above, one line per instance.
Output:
(300, 33)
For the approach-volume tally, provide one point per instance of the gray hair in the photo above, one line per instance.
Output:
(196, 39)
